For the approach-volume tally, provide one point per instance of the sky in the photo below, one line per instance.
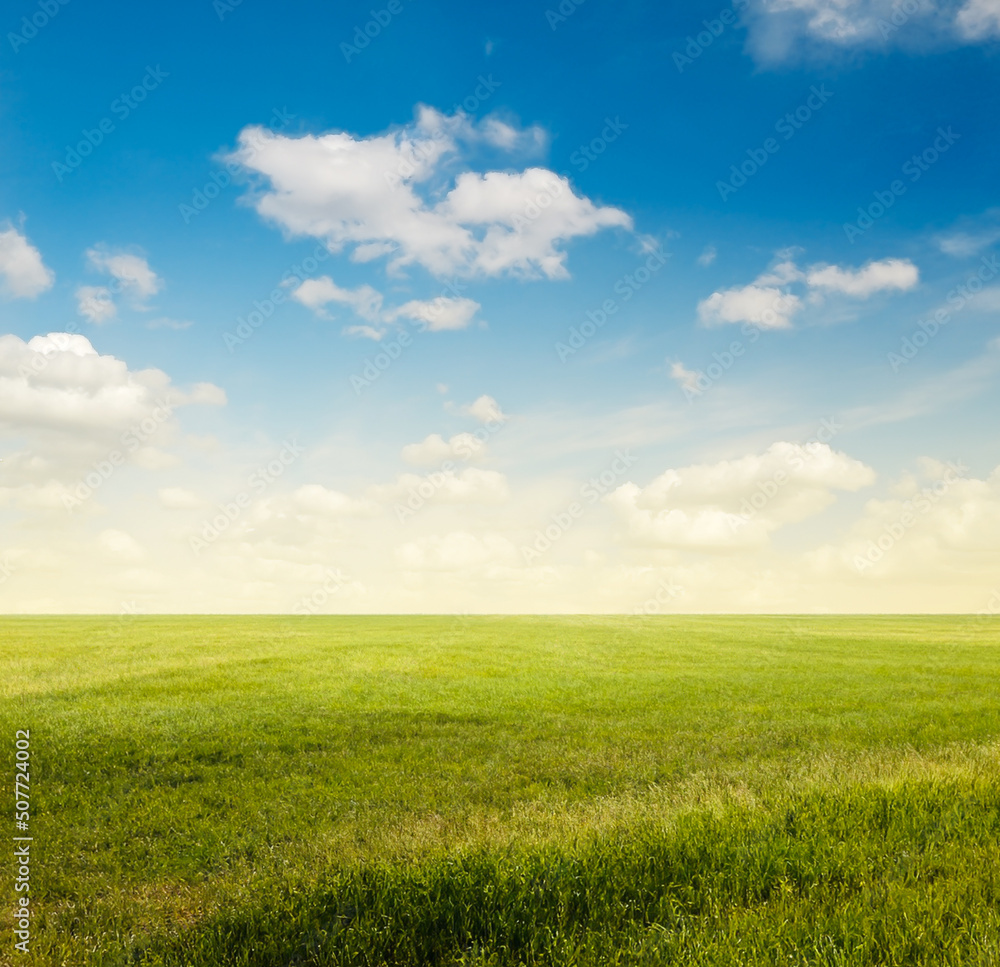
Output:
(536, 307)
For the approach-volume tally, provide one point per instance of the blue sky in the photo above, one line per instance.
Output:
(758, 326)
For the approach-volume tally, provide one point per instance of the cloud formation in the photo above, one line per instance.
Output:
(23, 274)
(63, 407)
(394, 196)
(737, 503)
(769, 302)
(130, 276)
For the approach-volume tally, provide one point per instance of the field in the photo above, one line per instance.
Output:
(641, 790)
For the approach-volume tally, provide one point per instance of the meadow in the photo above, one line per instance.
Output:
(714, 791)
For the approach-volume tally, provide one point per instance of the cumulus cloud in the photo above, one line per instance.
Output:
(301, 525)
(769, 302)
(861, 283)
(486, 410)
(434, 449)
(737, 503)
(392, 195)
(765, 306)
(936, 520)
(316, 294)
(435, 315)
(131, 277)
(438, 315)
(65, 406)
(22, 271)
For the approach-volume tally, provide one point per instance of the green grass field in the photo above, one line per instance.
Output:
(317, 791)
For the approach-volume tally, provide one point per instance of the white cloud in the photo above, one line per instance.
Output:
(769, 303)
(936, 521)
(95, 304)
(786, 29)
(434, 449)
(765, 306)
(737, 503)
(66, 407)
(486, 410)
(860, 283)
(392, 195)
(979, 20)
(707, 256)
(23, 273)
(318, 293)
(438, 315)
(131, 273)
(457, 551)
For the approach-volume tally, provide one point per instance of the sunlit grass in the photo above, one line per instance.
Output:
(271, 791)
